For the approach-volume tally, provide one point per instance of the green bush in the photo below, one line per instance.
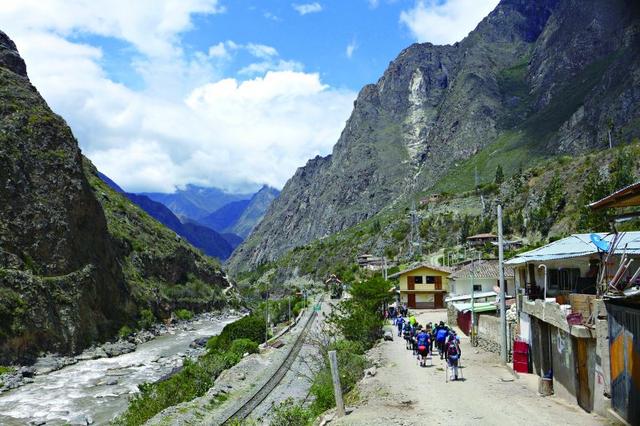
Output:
(251, 327)
(242, 346)
(184, 314)
(147, 319)
(125, 331)
(351, 366)
(5, 370)
(288, 413)
(297, 308)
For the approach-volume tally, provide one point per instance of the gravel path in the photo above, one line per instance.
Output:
(402, 393)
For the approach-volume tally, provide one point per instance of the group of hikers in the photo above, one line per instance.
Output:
(421, 339)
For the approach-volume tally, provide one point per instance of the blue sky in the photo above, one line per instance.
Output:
(232, 94)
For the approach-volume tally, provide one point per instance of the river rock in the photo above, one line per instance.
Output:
(199, 342)
(27, 371)
(111, 382)
(118, 348)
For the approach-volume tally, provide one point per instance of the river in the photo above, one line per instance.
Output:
(99, 389)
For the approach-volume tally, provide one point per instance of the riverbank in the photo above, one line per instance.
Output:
(96, 390)
(48, 363)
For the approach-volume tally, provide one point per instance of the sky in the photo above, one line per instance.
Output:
(233, 94)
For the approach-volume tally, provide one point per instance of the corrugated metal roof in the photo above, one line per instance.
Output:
(481, 269)
(476, 295)
(577, 245)
(477, 307)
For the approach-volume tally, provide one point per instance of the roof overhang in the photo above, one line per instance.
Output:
(628, 196)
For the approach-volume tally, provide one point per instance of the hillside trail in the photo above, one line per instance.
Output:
(402, 393)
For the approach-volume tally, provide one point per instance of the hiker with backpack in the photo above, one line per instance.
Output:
(453, 354)
(399, 324)
(407, 333)
(441, 338)
(422, 346)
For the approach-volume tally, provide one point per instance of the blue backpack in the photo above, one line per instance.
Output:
(422, 339)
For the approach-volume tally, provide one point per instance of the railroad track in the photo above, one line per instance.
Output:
(273, 381)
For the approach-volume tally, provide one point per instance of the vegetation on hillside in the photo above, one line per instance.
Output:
(543, 202)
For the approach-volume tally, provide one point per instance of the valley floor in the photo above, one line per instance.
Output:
(402, 393)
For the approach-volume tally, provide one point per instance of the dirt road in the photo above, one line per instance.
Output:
(402, 393)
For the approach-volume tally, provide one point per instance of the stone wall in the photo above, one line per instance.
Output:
(452, 315)
(489, 334)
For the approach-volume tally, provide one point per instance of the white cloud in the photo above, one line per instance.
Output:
(374, 3)
(218, 51)
(261, 51)
(351, 47)
(187, 124)
(445, 22)
(307, 8)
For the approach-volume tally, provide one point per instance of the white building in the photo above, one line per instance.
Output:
(480, 276)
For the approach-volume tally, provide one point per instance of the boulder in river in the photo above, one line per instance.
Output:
(199, 342)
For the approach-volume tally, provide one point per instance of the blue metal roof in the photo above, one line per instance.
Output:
(578, 245)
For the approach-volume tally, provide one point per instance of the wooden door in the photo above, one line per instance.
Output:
(438, 283)
(412, 300)
(584, 392)
(411, 283)
(439, 300)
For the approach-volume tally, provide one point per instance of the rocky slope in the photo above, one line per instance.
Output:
(533, 80)
(77, 259)
(254, 212)
(60, 282)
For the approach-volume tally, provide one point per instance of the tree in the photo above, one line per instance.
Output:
(499, 175)
(621, 171)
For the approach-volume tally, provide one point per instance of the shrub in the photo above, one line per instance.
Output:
(251, 327)
(288, 413)
(184, 314)
(147, 319)
(242, 346)
(125, 331)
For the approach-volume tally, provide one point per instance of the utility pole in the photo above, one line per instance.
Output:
(384, 266)
(473, 298)
(266, 328)
(503, 304)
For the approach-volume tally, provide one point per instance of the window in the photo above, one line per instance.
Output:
(417, 280)
(431, 280)
(563, 279)
(477, 287)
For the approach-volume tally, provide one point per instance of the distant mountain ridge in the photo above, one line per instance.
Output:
(195, 202)
(206, 239)
(240, 217)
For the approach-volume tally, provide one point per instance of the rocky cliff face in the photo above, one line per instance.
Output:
(60, 282)
(69, 274)
(535, 78)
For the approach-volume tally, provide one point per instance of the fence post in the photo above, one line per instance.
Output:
(337, 389)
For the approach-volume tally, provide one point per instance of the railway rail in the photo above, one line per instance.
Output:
(261, 393)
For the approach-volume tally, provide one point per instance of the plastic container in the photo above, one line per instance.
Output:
(521, 366)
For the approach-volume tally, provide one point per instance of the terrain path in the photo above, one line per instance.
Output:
(402, 393)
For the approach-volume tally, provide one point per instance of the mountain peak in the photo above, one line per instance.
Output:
(9, 56)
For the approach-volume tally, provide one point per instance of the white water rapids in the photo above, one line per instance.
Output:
(80, 391)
